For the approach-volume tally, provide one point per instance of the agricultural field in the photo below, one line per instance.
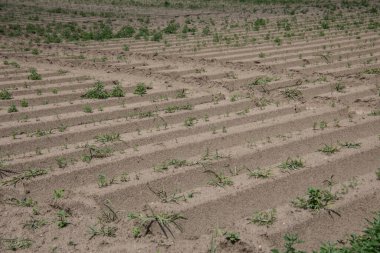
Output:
(190, 126)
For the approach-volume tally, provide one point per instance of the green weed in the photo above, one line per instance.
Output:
(219, 179)
(232, 237)
(292, 164)
(26, 175)
(259, 173)
(103, 138)
(141, 89)
(264, 217)
(25, 202)
(24, 103)
(33, 75)
(329, 149)
(164, 221)
(293, 94)
(12, 108)
(97, 92)
(106, 231)
(62, 218)
(17, 243)
(316, 199)
(34, 224)
(5, 94)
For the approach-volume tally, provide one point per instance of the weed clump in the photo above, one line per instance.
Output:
(316, 199)
(5, 94)
(33, 75)
(164, 220)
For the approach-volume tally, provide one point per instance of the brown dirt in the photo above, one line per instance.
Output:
(245, 105)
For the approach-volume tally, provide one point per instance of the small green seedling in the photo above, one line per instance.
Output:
(62, 218)
(232, 237)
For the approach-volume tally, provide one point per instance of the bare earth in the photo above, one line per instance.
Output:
(218, 107)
